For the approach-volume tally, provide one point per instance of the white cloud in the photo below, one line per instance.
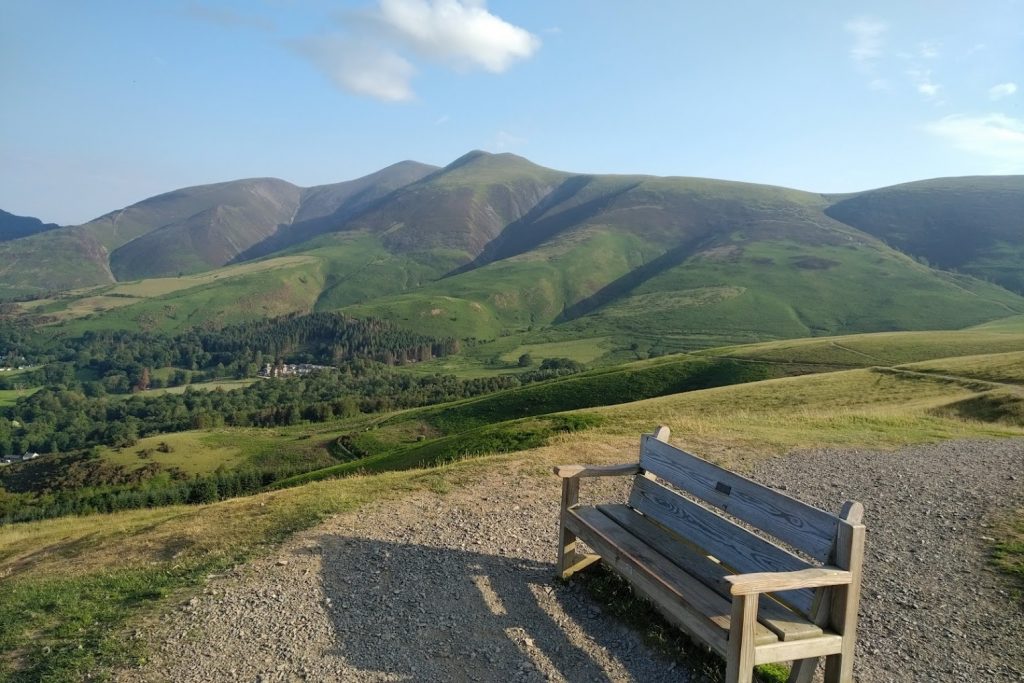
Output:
(998, 92)
(461, 32)
(867, 35)
(373, 55)
(923, 83)
(995, 136)
(361, 67)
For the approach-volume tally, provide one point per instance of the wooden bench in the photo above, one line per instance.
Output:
(748, 598)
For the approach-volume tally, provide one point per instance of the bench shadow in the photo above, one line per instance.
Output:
(414, 612)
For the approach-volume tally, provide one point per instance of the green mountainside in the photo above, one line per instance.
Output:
(493, 246)
(13, 227)
(974, 224)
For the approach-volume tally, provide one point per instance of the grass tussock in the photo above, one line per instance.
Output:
(1008, 550)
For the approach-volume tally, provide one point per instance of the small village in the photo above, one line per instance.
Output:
(291, 369)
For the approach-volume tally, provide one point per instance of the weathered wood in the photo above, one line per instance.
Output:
(739, 664)
(632, 557)
(567, 557)
(728, 542)
(771, 582)
(803, 670)
(712, 576)
(568, 471)
(804, 650)
(845, 600)
(787, 625)
(803, 526)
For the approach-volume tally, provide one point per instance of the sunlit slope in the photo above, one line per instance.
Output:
(257, 290)
(883, 349)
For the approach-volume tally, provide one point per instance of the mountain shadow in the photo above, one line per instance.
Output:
(539, 225)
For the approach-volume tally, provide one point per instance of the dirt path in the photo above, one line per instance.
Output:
(459, 587)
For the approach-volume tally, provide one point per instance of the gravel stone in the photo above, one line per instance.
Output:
(460, 587)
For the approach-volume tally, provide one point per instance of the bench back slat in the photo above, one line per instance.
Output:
(803, 526)
(730, 543)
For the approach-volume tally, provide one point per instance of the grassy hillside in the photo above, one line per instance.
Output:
(83, 581)
(975, 225)
(884, 349)
(13, 227)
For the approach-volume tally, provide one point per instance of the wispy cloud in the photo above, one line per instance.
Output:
(373, 53)
(1001, 90)
(997, 137)
(361, 67)
(867, 35)
(923, 83)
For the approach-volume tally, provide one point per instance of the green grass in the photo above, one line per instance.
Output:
(885, 348)
(582, 350)
(864, 408)
(8, 397)
(1008, 549)
(505, 437)
(83, 580)
(222, 385)
(192, 452)
(994, 367)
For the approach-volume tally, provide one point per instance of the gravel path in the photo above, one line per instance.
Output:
(459, 587)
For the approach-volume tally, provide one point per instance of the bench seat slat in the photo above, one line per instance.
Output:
(803, 526)
(786, 624)
(736, 547)
(680, 596)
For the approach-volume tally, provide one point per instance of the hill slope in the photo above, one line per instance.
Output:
(12, 227)
(975, 225)
(493, 245)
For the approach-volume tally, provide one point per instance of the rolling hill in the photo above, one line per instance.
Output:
(493, 245)
(13, 227)
(974, 225)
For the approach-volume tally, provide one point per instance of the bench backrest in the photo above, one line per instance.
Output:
(803, 527)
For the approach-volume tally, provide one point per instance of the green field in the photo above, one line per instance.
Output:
(9, 396)
(191, 452)
(219, 385)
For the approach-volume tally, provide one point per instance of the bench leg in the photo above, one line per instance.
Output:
(803, 670)
(568, 559)
(739, 665)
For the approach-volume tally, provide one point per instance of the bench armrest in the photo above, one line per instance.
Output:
(577, 471)
(770, 582)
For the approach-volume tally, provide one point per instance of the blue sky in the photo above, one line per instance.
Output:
(106, 103)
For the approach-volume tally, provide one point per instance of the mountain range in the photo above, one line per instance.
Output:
(493, 244)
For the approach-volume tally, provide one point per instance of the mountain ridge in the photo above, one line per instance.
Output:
(493, 244)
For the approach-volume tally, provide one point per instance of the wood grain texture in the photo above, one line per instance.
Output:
(770, 582)
(739, 549)
(577, 471)
(739, 664)
(845, 601)
(803, 526)
(633, 558)
(787, 625)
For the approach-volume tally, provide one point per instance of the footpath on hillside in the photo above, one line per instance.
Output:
(460, 586)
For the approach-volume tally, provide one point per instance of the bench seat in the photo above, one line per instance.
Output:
(682, 597)
(686, 541)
